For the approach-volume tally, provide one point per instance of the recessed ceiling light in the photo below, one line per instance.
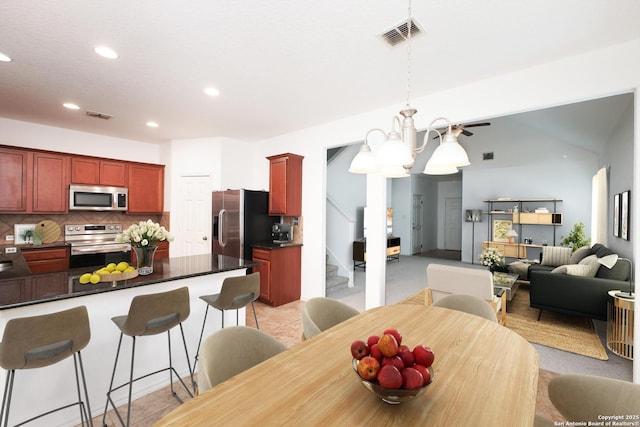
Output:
(71, 106)
(105, 51)
(212, 91)
(4, 58)
(152, 124)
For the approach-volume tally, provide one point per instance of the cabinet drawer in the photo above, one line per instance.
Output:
(262, 254)
(44, 254)
(393, 251)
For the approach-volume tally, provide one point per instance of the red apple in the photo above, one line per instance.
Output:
(426, 375)
(411, 378)
(374, 350)
(424, 355)
(390, 377)
(368, 368)
(395, 361)
(373, 339)
(395, 333)
(388, 345)
(359, 349)
(406, 355)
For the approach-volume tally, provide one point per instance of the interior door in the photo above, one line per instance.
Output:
(453, 223)
(416, 225)
(193, 220)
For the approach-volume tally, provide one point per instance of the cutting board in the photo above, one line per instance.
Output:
(50, 231)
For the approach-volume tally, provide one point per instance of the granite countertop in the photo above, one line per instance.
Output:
(272, 245)
(164, 270)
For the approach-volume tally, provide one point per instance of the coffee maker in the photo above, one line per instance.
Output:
(281, 233)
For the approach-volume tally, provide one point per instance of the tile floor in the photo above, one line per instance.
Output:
(285, 324)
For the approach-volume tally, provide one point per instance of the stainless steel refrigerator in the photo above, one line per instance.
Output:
(240, 219)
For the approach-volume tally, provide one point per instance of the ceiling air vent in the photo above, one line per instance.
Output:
(400, 32)
(98, 115)
(487, 156)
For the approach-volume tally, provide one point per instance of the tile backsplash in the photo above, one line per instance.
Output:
(7, 222)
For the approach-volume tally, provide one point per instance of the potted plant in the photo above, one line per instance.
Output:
(492, 258)
(576, 238)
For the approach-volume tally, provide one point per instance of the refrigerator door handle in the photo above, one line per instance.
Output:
(221, 228)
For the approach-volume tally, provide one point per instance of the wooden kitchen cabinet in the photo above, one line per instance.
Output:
(14, 291)
(46, 260)
(90, 171)
(50, 183)
(49, 285)
(14, 168)
(285, 184)
(280, 270)
(146, 188)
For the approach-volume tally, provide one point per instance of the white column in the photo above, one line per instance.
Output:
(375, 276)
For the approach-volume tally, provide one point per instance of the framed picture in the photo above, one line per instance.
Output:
(500, 228)
(616, 215)
(23, 233)
(624, 215)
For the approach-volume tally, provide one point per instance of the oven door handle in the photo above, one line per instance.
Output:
(96, 250)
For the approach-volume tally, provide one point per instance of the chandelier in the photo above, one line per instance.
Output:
(395, 156)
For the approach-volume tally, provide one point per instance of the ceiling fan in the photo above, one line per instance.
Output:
(461, 129)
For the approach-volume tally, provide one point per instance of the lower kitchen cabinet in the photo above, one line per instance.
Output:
(47, 260)
(28, 288)
(280, 270)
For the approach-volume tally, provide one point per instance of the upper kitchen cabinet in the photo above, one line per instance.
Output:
(33, 182)
(285, 184)
(90, 171)
(146, 188)
(14, 167)
(50, 183)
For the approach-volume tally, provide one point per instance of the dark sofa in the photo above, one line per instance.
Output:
(577, 295)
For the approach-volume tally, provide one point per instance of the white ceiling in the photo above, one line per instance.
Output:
(280, 65)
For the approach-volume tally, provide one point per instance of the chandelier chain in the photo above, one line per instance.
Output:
(409, 54)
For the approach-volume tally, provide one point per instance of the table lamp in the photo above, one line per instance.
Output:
(511, 233)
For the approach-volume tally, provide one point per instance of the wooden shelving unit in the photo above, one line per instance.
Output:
(519, 212)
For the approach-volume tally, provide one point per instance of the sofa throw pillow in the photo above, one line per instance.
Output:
(579, 254)
(583, 270)
(555, 255)
(562, 269)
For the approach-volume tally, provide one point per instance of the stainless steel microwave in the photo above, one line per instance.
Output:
(98, 198)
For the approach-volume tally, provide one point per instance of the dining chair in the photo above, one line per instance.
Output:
(468, 304)
(585, 398)
(320, 314)
(443, 280)
(151, 314)
(235, 293)
(232, 350)
(44, 340)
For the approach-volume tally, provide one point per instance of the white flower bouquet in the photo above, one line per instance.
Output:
(491, 257)
(144, 233)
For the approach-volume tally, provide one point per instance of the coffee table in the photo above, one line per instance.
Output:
(507, 281)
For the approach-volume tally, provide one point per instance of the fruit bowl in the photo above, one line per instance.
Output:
(390, 395)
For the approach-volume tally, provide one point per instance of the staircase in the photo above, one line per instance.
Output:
(334, 282)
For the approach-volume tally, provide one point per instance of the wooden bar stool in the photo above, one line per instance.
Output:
(235, 293)
(151, 315)
(39, 341)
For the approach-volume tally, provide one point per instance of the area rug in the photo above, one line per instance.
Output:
(563, 332)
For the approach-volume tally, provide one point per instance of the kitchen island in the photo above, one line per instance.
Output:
(202, 274)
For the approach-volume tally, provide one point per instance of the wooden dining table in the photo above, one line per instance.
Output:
(484, 375)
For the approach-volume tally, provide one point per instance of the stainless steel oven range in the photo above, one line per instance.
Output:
(95, 244)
